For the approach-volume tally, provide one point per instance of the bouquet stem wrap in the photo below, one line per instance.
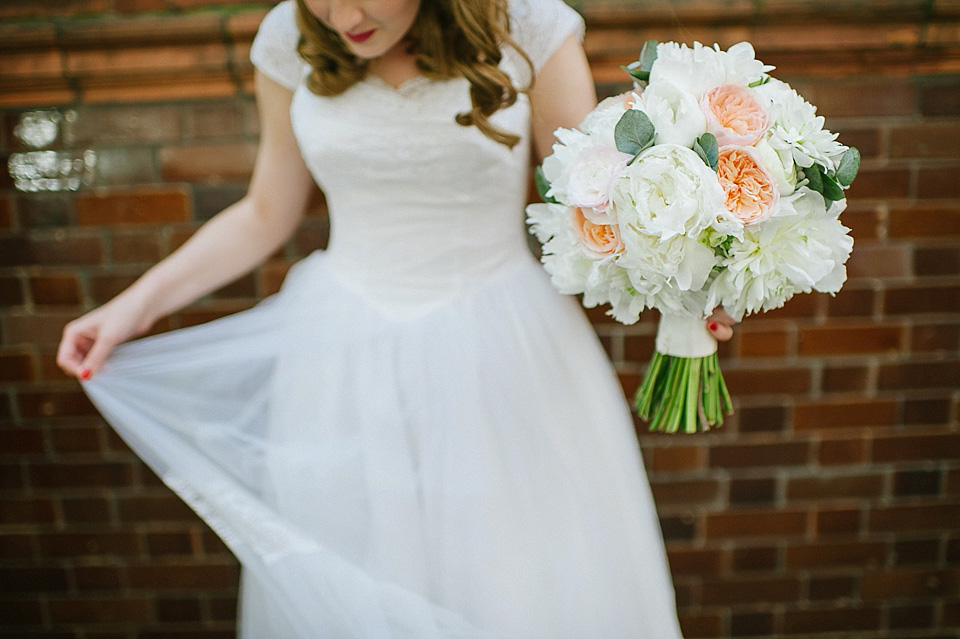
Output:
(683, 386)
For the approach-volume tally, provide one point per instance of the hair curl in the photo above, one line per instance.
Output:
(450, 38)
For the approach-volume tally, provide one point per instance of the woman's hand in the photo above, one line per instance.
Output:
(88, 340)
(720, 324)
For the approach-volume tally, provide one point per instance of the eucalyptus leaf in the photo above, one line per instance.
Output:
(814, 177)
(849, 166)
(640, 70)
(543, 186)
(707, 148)
(831, 190)
(634, 132)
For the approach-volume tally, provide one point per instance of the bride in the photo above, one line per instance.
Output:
(417, 437)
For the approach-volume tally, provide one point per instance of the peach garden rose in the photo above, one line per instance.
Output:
(599, 239)
(734, 115)
(752, 194)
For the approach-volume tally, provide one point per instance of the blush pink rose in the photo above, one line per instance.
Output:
(601, 240)
(751, 190)
(734, 115)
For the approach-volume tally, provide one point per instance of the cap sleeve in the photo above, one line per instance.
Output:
(274, 49)
(541, 26)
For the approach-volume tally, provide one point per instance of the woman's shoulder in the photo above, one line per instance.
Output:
(274, 49)
(540, 26)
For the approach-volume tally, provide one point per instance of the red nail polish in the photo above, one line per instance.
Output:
(713, 326)
(85, 374)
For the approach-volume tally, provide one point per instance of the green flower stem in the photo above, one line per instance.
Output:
(683, 391)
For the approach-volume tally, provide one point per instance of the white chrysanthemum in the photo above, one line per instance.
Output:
(698, 69)
(797, 129)
(784, 256)
(675, 114)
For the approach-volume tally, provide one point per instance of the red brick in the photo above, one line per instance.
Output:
(17, 367)
(126, 609)
(863, 219)
(916, 551)
(872, 260)
(759, 490)
(734, 524)
(702, 624)
(919, 616)
(902, 583)
(762, 419)
(163, 508)
(911, 483)
(756, 455)
(842, 99)
(695, 561)
(880, 184)
(66, 440)
(33, 579)
(85, 510)
(763, 343)
(178, 610)
(696, 491)
(864, 555)
(55, 289)
(833, 452)
(932, 411)
(68, 251)
(160, 544)
(103, 288)
(841, 379)
(936, 261)
(931, 139)
(677, 458)
(27, 510)
(835, 487)
(748, 558)
(934, 337)
(920, 376)
(923, 222)
(852, 302)
(916, 447)
(844, 414)
(843, 521)
(140, 206)
(916, 300)
(125, 166)
(182, 576)
(111, 125)
(807, 622)
(921, 517)
(75, 475)
(842, 340)
(941, 98)
(164, 86)
(208, 162)
(136, 247)
(103, 578)
(112, 544)
(733, 592)
(796, 306)
(23, 611)
(11, 291)
(832, 588)
(220, 119)
(762, 381)
(867, 141)
(22, 441)
(938, 183)
(54, 403)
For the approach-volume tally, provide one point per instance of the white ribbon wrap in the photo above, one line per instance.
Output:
(683, 336)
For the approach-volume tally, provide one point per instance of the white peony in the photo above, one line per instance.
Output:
(588, 178)
(667, 191)
(780, 165)
(675, 114)
(797, 129)
(698, 69)
(783, 256)
(600, 123)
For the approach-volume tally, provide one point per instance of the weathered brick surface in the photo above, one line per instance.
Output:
(827, 506)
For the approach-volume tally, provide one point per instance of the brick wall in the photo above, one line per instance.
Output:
(828, 506)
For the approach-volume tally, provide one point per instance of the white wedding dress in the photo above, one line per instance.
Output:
(417, 437)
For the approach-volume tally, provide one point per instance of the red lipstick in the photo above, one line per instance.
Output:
(360, 37)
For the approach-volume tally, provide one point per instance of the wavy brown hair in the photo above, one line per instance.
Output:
(450, 39)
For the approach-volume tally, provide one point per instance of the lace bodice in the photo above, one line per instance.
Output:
(421, 207)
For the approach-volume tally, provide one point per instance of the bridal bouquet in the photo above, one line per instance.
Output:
(716, 185)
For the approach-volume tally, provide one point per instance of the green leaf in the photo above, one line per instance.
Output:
(707, 148)
(543, 186)
(831, 190)
(849, 166)
(634, 132)
(640, 70)
(814, 175)
(759, 83)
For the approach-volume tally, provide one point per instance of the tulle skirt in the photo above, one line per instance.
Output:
(470, 470)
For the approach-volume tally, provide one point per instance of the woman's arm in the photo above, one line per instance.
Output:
(230, 244)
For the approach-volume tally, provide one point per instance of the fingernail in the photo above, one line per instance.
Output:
(86, 374)
(713, 326)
